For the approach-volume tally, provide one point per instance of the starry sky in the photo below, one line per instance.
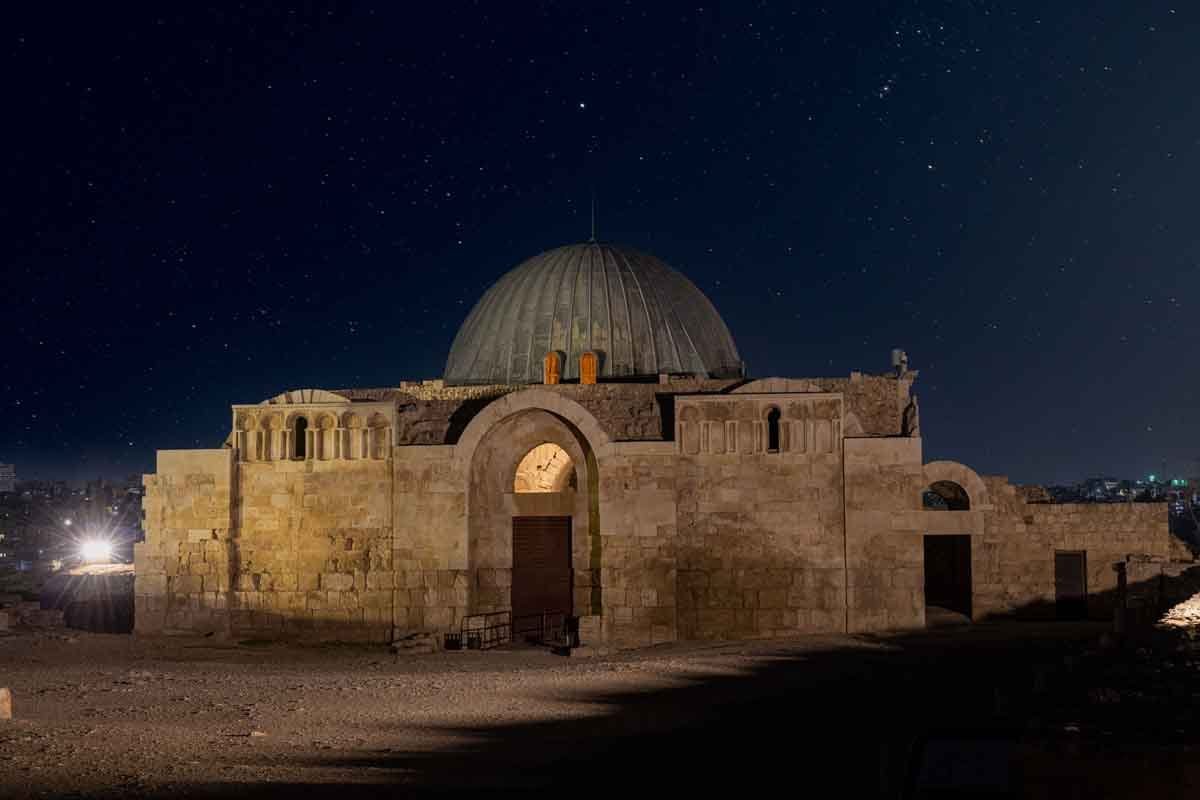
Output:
(205, 206)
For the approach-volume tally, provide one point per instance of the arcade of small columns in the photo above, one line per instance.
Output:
(310, 435)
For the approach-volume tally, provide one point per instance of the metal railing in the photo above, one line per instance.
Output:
(482, 631)
(485, 631)
(547, 628)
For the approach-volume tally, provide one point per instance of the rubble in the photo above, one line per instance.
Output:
(1183, 615)
(1183, 622)
(32, 615)
(422, 642)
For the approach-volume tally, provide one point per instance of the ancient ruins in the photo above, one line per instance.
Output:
(594, 449)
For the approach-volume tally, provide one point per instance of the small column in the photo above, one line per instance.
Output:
(309, 444)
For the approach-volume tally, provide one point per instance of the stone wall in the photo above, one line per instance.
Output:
(635, 565)
(184, 567)
(699, 510)
(884, 534)
(313, 550)
(1013, 558)
(284, 549)
(760, 530)
(430, 413)
(429, 539)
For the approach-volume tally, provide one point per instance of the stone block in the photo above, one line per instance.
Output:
(151, 585)
(186, 584)
(337, 581)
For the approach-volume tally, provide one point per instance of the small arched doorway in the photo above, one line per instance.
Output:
(947, 560)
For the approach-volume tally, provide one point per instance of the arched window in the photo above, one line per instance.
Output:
(301, 438)
(773, 430)
(946, 496)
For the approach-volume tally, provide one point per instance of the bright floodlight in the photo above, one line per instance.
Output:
(95, 550)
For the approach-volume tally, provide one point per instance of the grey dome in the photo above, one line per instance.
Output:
(640, 316)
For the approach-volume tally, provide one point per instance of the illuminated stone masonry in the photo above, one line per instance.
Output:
(671, 499)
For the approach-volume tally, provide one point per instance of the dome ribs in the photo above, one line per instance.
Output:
(641, 317)
(542, 327)
(654, 362)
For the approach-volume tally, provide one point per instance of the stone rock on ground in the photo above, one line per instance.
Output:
(1185, 614)
(1182, 622)
(415, 644)
(32, 615)
(5, 704)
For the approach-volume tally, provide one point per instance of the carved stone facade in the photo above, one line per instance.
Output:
(697, 509)
(644, 486)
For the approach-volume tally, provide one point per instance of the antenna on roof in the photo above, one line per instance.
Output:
(593, 215)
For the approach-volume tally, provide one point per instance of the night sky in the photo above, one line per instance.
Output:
(206, 207)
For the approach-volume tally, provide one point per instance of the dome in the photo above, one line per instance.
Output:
(638, 315)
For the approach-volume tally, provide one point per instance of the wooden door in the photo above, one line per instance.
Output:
(541, 576)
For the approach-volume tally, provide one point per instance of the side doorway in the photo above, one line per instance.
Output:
(947, 578)
(1070, 584)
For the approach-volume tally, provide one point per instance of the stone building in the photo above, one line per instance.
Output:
(595, 449)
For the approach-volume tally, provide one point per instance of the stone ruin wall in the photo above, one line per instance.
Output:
(430, 540)
(430, 413)
(885, 529)
(1013, 560)
(759, 533)
(633, 583)
(313, 554)
(347, 549)
(183, 571)
(282, 549)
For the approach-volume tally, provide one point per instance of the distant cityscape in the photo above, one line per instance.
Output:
(1151, 489)
(43, 523)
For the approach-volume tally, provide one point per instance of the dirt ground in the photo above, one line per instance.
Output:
(116, 716)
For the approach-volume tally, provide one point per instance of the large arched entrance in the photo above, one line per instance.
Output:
(533, 539)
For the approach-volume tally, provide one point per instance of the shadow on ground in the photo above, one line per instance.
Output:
(848, 721)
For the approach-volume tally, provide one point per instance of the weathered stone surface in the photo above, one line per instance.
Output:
(698, 509)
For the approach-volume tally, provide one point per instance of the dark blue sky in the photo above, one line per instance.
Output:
(205, 207)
